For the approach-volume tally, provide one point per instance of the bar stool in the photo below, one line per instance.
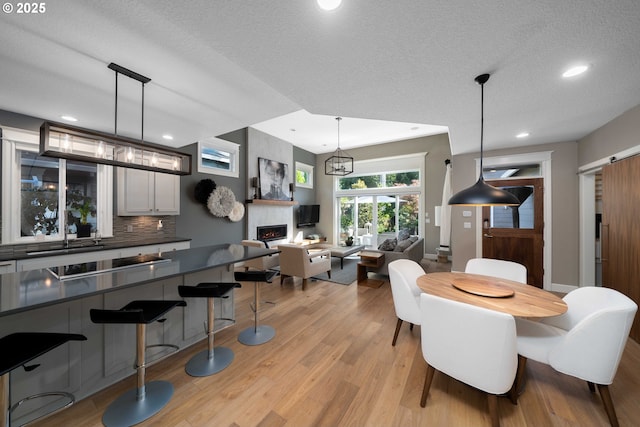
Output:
(135, 406)
(257, 334)
(17, 350)
(209, 362)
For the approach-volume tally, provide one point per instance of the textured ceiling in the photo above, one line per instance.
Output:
(217, 66)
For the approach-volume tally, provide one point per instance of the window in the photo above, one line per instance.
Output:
(304, 175)
(381, 180)
(43, 195)
(219, 157)
(382, 200)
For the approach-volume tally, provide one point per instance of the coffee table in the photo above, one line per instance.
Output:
(344, 251)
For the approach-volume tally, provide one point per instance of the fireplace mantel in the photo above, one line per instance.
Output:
(273, 202)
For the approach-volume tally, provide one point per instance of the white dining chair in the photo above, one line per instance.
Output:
(474, 345)
(586, 342)
(497, 268)
(406, 293)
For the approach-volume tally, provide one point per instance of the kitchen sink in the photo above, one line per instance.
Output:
(64, 251)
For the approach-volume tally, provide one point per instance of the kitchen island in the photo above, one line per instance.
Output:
(58, 299)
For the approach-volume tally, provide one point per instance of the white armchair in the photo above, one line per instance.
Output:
(508, 270)
(262, 263)
(297, 261)
(471, 344)
(586, 342)
(406, 293)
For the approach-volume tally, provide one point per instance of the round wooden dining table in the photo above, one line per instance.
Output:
(494, 293)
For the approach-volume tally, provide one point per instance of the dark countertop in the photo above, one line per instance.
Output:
(40, 288)
(19, 251)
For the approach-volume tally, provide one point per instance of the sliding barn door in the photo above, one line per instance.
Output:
(621, 230)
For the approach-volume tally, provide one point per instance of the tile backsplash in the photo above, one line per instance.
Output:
(132, 230)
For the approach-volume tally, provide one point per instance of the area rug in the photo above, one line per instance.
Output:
(346, 276)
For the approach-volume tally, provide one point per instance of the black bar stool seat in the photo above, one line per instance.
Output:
(17, 350)
(209, 361)
(137, 405)
(258, 334)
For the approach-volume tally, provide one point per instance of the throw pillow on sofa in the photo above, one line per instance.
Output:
(403, 245)
(403, 235)
(388, 245)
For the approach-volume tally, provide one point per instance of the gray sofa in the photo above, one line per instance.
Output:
(415, 252)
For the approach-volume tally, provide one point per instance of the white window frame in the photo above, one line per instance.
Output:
(415, 161)
(14, 140)
(221, 145)
(307, 169)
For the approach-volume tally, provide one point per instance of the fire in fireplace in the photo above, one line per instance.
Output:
(267, 233)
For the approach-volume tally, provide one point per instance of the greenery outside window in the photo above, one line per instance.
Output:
(38, 191)
(304, 175)
(382, 200)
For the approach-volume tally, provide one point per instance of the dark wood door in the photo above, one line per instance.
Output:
(621, 230)
(516, 233)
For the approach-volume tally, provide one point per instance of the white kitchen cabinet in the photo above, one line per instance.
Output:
(7, 266)
(142, 192)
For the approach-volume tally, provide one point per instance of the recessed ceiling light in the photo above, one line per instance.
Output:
(329, 4)
(168, 137)
(522, 135)
(69, 118)
(575, 71)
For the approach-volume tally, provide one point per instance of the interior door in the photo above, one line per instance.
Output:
(516, 233)
(620, 232)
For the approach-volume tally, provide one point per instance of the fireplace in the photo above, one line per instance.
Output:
(267, 233)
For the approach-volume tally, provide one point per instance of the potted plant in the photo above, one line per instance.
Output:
(84, 206)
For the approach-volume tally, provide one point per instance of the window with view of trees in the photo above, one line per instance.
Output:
(378, 206)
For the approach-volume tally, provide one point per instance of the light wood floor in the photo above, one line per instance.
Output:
(332, 364)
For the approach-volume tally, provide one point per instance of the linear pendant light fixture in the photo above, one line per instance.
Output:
(340, 163)
(74, 143)
(481, 193)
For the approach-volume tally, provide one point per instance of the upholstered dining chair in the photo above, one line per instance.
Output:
(497, 268)
(406, 293)
(586, 342)
(263, 263)
(297, 261)
(474, 345)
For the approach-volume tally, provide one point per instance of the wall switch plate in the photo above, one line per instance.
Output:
(467, 225)
(466, 213)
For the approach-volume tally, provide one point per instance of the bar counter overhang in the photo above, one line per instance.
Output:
(36, 300)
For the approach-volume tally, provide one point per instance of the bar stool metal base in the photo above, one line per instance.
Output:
(257, 335)
(201, 365)
(127, 410)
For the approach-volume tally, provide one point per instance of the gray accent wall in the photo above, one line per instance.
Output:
(195, 221)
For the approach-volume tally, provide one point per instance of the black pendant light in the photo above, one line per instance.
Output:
(340, 163)
(481, 193)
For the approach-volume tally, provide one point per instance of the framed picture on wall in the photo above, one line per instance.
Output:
(274, 179)
(219, 157)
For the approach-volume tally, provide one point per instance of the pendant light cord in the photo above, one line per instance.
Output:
(481, 80)
(115, 114)
(481, 129)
